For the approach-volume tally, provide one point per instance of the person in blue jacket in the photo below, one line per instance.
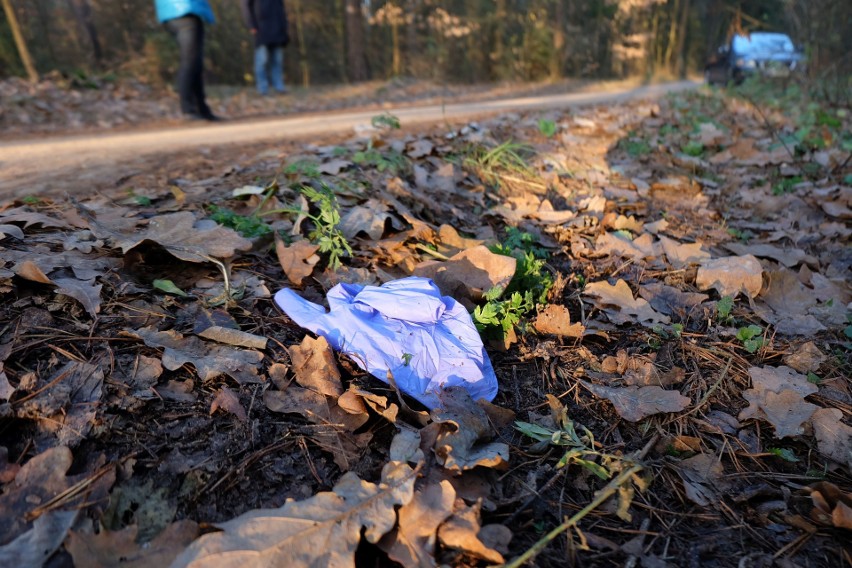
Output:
(267, 20)
(185, 20)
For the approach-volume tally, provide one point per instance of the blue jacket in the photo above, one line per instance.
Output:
(171, 9)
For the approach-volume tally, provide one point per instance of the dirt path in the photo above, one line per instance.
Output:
(46, 166)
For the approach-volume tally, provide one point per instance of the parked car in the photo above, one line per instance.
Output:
(759, 53)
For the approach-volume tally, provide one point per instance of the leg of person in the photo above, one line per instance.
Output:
(261, 61)
(277, 69)
(189, 32)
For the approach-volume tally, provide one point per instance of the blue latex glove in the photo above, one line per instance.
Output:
(427, 341)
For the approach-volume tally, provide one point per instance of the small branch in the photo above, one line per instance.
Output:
(608, 491)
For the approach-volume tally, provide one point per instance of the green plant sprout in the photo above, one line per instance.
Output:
(547, 127)
(751, 337)
(326, 231)
(723, 309)
(249, 226)
(385, 121)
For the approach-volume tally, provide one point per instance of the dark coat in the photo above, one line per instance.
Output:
(269, 18)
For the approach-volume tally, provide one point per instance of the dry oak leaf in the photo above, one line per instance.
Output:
(556, 320)
(315, 367)
(228, 401)
(233, 337)
(806, 357)
(702, 477)
(468, 275)
(834, 438)
(618, 303)
(34, 547)
(37, 482)
(634, 403)
(184, 236)
(412, 542)
(463, 424)
(682, 254)
(369, 218)
(210, 361)
(69, 408)
(463, 532)
(832, 507)
(297, 260)
(778, 396)
(119, 549)
(322, 531)
(336, 423)
(731, 275)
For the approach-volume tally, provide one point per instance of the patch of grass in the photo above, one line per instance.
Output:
(506, 158)
(249, 226)
(547, 127)
(786, 185)
(303, 169)
(693, 148)
(634, 146)
(385, 121)
(390, 161)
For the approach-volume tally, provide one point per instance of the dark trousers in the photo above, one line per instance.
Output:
(189, 33)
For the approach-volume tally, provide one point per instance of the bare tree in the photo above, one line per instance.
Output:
(356, 57)
(20, 43)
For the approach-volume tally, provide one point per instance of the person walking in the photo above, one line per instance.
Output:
(185, 20)
(267, 20)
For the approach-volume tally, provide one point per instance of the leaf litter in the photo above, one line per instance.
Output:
(683, 326)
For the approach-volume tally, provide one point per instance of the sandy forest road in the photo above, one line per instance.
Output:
(50, 165)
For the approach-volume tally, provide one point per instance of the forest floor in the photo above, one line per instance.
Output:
(662, 288)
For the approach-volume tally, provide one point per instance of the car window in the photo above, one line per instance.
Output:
(763, 44)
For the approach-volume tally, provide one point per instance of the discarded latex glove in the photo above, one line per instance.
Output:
(427, 341)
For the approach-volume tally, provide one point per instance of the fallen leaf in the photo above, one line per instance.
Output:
(290, 535)
(635, 403)
(234, 337)
(119, 549)
(184, 236)
(671, 301)
(228, 401)
(702, 477)
(556, 320)
(297, 260)
(315, 366)
(68, 409)
(832, 506)
(210, 361)
(731, 275)
(834, 438)
(461, 532)
(464, 425)
(618, 303)
(413, 541)
(777, 396)
(682, 254)
(32, 548)
(37, 482)
(469, 274)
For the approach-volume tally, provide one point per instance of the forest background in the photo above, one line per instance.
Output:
(451, 41)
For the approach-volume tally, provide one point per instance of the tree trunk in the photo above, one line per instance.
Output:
(557, 56)
(681, 39)
(303, 52)
(20, 43)
(83, 14)
(355, 55)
